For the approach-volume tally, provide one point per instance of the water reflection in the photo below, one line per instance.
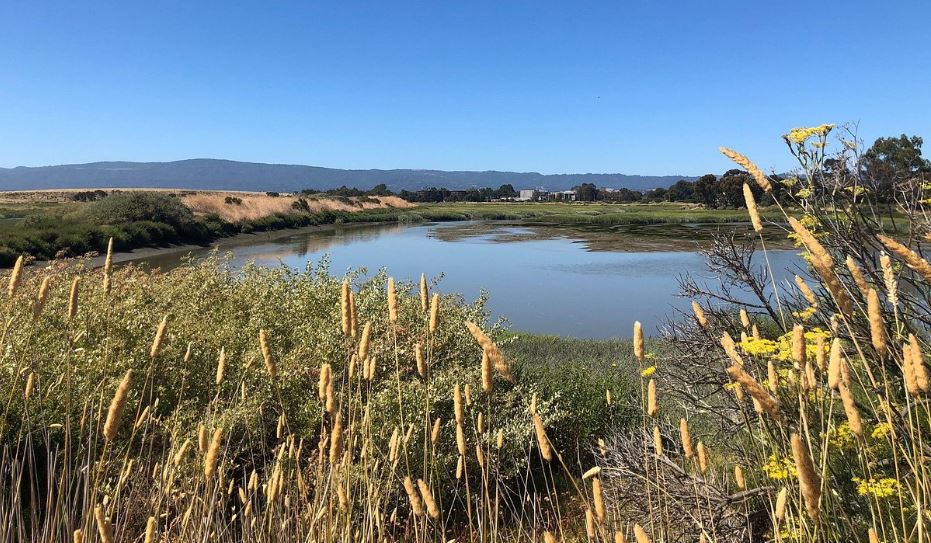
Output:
(571, 282)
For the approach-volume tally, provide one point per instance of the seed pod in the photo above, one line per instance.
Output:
(638, 341)
(699, 314)
(686, 438)
(117, 404)
(392, 301)
(809, 481)
(781, 504)
(751, 209)
(542, 441)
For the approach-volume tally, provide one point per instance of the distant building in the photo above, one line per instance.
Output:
(527, 195)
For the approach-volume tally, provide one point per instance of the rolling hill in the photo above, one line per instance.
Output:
(214, 174)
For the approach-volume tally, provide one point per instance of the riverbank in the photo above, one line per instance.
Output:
(48, 228)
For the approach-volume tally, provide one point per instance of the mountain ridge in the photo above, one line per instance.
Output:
(223, 174)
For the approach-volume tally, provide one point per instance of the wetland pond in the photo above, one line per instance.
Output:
(568, 281)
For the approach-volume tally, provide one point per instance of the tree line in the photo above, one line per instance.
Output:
(884, 168)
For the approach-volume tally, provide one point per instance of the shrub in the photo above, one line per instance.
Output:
(126, 207)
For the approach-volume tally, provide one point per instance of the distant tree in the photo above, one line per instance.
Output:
(891, 161)
(586, 192)
(706, 190)
(380, 189)
(506, 191)
(682, 191)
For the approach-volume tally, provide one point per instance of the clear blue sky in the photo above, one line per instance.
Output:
(577, 86)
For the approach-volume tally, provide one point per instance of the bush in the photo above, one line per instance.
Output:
(127, 207)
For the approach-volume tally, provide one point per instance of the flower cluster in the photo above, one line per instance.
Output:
(886, 487)
(801, 135)
(780, 468)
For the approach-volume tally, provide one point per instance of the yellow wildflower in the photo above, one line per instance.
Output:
(778, 469)
(648, 371)
(886, 487)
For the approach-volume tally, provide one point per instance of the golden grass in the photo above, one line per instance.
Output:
(255, 206)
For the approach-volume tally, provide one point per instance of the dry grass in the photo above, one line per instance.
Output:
(255, 206)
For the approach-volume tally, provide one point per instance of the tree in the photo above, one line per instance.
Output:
(506, 191)
(706, 190)
(586, 192)
(891, 161)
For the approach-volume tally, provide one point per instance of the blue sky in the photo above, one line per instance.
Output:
(556, 87)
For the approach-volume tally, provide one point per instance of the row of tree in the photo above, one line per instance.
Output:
(884, 167)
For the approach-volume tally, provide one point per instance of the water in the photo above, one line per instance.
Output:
(544, 280)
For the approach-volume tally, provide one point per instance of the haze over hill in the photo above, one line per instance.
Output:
(214, 174)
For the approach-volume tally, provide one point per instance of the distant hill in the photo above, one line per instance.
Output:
(205, 173)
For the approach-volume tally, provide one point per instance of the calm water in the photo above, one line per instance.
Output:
(541, 280)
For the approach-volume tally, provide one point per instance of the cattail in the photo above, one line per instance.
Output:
(392, 301)
(686, 437)
(744, 318)
(364, 341)
(591, 473)
(889, 280)
(344, 306)
(435, 434)
(213, 454)
(323, 381)
(651, 398)
(918, 364)
(772, 376)
(427, 495)
(117, 404)
(150, 524)
(499, 439)
(731, 349)
(457, 404)
(834, 365)
(78, 536)
(589, 523)
(494, 354)
(808, 478)
(781, 503)
(41, 297)
(638, 341)
(460, 439)
(416, 504)
(739, 477)
(542, 441)
(202, 438)
(108, 268)
(798, 345)
(30, 383)
(599, 500)
(480, 455)
(336, 439)
(755, 390)
(270, 363)
(912, 259)
(857, 275)
(699, 314)
(751, 209)
(657, 441)
(702, 457)
(73, 297)
(877, 329)
(434, 313)
(418, 356)
(751, 168)
(104, 526)
(182, 450)
(850, 408)
(159, 338)
(424, 295)
(353, 322)
(488, 383)
(806, 291)
(811, 243)
(221, 365)
(459, 467)
(15, 278)
(640, 535)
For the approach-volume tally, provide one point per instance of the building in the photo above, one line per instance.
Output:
(526, 195)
